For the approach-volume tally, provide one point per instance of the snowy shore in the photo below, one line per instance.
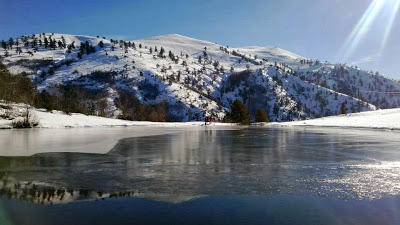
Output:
(380, 119)
(57, 119)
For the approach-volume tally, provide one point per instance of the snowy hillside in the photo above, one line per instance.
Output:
(380, 119)
(191, 78)
(368, 86)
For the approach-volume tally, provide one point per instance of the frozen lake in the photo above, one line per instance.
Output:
(199, 175)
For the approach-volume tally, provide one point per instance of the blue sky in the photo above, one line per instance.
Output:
(316, 29)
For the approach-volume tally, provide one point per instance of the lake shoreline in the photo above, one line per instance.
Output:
(388, 119)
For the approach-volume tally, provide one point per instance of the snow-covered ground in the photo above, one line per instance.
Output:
(57, 119)
(380, 119)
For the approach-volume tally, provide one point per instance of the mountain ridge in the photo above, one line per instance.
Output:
(197, 78)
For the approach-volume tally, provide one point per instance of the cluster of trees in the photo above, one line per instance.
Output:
(122, 44)
(247, 59)
(306, 62)
(174, 58)
(16, 88)
(33, 41)
(86, 48)
(68, 98)
(224, 49)
(133, 109)
(52, 43)
(240, 114)
(73, 99)
(76, 99)
(102, 76)
(235, 79)
(126, 44)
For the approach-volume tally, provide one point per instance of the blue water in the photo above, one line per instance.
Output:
(270, 209)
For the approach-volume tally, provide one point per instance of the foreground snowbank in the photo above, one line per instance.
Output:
(380, 119)
(57, 119)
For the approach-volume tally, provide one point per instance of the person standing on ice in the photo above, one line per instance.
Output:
(205, 120)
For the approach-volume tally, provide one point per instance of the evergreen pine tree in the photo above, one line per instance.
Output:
(10, 42)
(53, 45)
(162, 51)
(239, 113)
(82, 48)
(43, 74)
(88, 49)
(261, 116)
(343, 108)
(51, 71)
(3, 44)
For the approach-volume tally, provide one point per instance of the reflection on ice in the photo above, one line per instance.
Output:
(42, 193)
(182, 164)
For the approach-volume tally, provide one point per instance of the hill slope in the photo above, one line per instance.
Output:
(188, 78)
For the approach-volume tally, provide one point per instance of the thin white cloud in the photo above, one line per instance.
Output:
(368, 60)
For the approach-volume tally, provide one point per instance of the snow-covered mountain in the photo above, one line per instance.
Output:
(196, 78)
